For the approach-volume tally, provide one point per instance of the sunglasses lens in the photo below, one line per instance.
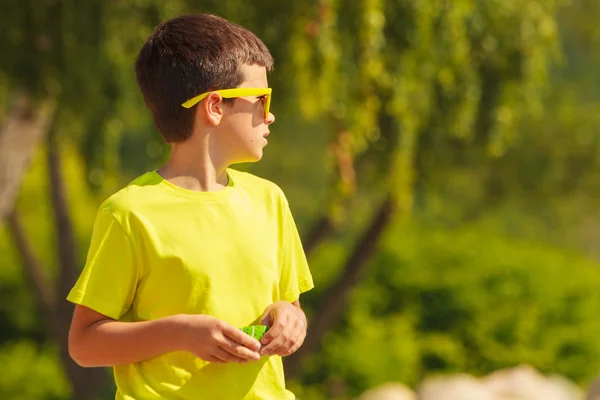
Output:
(267, 105)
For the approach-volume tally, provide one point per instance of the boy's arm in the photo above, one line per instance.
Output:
(287, 330)
(285, 317)
(97, 341)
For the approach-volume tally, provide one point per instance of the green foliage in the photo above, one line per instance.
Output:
(407, 78)
(467, 300)
(31, 372)
(418, 95)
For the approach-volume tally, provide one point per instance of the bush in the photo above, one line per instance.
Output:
(31, 373)
(439, 300)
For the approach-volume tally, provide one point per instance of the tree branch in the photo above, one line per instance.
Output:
(38, 280)
(345, 188)
(87, 383)
(335, 297)
(67, 253)
(320, 230)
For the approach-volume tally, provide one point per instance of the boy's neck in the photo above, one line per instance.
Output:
(193, 169)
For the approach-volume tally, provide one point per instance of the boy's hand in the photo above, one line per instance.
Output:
(216, 341)
(287, 329)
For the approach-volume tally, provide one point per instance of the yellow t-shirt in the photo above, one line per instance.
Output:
(159, 250)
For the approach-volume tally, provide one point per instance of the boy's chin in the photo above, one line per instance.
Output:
(250, 157)
(257, 157)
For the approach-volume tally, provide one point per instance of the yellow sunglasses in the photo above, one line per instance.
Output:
(233, 93)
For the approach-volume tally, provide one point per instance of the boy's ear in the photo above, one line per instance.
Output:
(212, 108)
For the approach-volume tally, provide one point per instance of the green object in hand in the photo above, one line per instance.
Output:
(256, 331)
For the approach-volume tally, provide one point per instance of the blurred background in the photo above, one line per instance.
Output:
(442, 159)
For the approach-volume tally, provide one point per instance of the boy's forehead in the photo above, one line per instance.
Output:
(256, 76)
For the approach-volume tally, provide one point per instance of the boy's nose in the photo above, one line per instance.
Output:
(270, 119)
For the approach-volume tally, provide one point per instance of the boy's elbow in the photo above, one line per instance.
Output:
(81, 344)
(78, 351)
(81, 361)
(77, 355)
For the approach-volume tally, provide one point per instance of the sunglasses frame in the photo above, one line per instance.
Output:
(233, 93)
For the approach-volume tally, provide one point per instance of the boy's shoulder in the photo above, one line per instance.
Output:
(144, 190)
(250, 181)
(268, 191)
(131, 195)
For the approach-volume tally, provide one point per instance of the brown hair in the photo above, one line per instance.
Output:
(190, 55)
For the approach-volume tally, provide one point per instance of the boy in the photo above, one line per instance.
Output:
(185, 255)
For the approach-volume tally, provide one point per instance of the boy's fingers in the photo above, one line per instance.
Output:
(273, 347)
(225, 356)
(285, 342)
(214, 360)
(273, 332)
(277, 344)
(297, 340)
(238, 350)
(300, 332)
(242, 338)
(292, 350)
(266, 319)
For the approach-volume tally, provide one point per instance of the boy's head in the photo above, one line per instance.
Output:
(191, 55)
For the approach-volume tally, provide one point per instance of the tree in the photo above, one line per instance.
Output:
(405, 90)
(60, 61)
(423, 78)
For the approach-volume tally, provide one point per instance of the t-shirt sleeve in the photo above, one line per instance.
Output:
(295, 275)
(109, 278)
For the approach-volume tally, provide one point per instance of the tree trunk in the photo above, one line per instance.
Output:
(87, 383)
(35, 275)
(55, 311)
(321, 230)
(25, 125)
(345, 184)
(334, 300)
